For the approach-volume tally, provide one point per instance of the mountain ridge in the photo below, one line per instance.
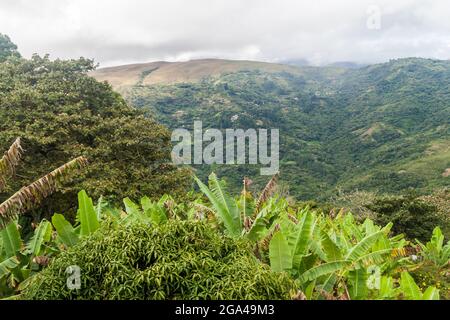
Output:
(168, 72)
(164, 72)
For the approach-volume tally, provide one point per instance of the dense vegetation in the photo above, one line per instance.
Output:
(263, 244)
(157, 250)
(176, 260)
(61, 113)
(379, 128)
(412, 215)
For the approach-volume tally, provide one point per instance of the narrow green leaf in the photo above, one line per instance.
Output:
(12, 242)
(131, 208)
(87, 215)
(387, 287)
(226, 208)
(363, 246)
(431, 294)
(358, 289)
(303, 238)
(155, 211)
(41, 235)
(259, 225)
(65, 230)
(322, 270)
(409, 287)
(7, 265)
(331, 249)
(99, 208)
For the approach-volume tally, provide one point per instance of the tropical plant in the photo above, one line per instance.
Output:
(243, 217)
(435, 250)
(30, 196)
(411, 291)
(19, 260)
(339, 258)
(88, 221)
(177, 259)
(330, 256)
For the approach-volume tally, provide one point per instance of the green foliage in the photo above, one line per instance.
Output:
(433, 264)
(7, 48)
(280, 255)
(378, 128)
(435, 250)
(86, 214)
(164, 250)
(327, 255)
(246, 216)
(174, 260)
(18, 261)
(66, 233)
(226, 207)
(344, 259)
(411, 291)
(410, 215)
(60, 112)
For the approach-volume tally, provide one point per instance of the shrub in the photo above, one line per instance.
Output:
(176, 260)
(410, 215)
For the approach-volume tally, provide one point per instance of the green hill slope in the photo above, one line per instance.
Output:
(383, 127)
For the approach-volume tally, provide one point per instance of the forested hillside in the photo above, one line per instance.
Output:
(383, 127)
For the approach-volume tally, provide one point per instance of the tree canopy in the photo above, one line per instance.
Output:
(60, 112)
(7, 48)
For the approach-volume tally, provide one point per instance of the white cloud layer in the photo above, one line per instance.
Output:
(320, 31)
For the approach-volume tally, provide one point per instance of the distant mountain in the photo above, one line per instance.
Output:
(162, 72)
(347, 64)
(381, 127)
(296, 62)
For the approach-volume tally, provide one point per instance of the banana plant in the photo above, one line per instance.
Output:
(32, 195)
(411, 291)
(243, 217)
(88, 221)
(405, 288)
(19, 260)
(435, 250)
(326, 254)
(152, 212)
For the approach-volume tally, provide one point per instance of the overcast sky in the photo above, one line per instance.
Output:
(320, 31)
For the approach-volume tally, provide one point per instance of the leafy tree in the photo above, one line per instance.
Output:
(7, 48)
(410, 215)
(61, 112)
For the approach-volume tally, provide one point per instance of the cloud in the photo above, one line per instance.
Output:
(321, 31)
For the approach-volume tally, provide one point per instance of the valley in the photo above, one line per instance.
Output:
(383, 128)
